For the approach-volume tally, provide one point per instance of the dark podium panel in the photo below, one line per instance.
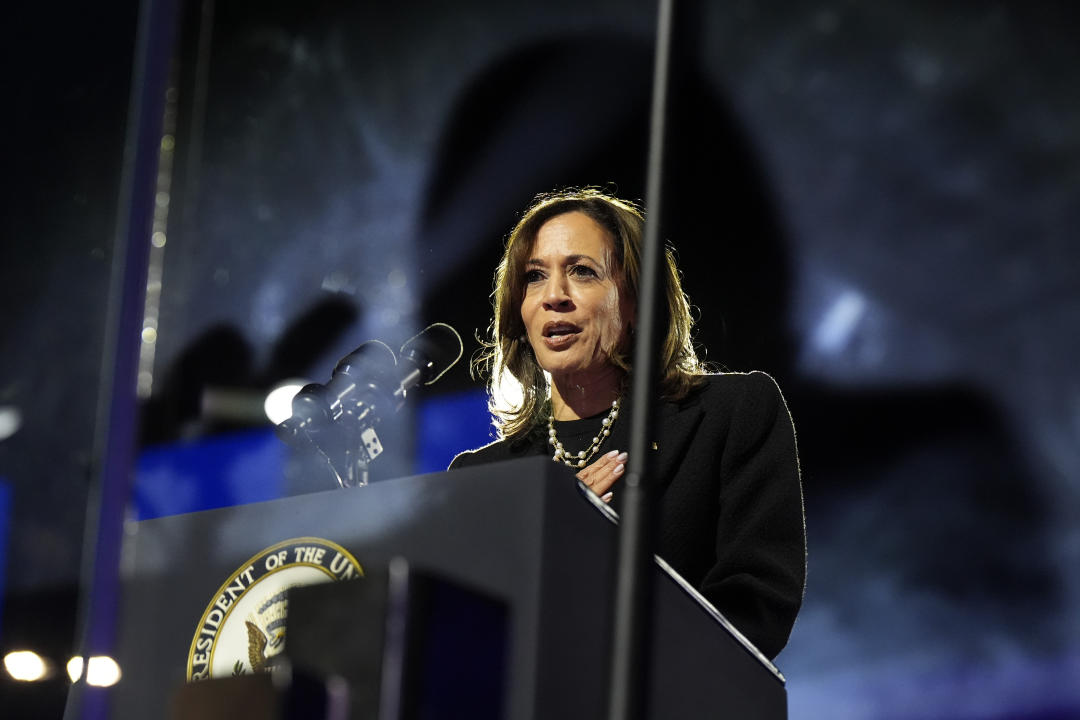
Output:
(522, 531)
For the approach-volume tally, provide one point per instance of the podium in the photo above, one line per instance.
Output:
(524, 532)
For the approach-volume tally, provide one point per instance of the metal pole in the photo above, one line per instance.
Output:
(631, 637)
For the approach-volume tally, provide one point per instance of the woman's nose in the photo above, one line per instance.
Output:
(556, 294)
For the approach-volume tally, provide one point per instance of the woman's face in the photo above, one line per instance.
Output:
(574, 311)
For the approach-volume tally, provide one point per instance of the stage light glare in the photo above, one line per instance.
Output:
(10, 421)
(838, 324)
(102, 671)
(149, 335)
(26, 666)
(75, 668)
(278, 405)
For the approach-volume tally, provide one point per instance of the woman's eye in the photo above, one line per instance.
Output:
(533, 276)
(583, 271)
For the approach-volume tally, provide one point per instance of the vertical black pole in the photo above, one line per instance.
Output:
(115, 431)
(631, 637)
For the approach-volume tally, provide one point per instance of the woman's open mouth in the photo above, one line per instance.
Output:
(560, 334)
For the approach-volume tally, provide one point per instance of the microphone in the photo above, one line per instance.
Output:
(429, 354)
(338, 419)
(351, 393)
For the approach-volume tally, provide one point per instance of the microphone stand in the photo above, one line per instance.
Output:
(628, 696)
(348, 464)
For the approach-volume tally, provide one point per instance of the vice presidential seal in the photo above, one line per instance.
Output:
(243, 627)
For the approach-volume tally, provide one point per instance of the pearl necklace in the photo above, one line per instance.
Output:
(583, 456)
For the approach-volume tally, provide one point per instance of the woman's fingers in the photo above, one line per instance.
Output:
(602, 474)
(604, 463)
(603, 483)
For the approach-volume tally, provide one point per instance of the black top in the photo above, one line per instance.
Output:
(731, 510)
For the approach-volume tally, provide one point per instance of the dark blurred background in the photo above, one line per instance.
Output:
(876, 203)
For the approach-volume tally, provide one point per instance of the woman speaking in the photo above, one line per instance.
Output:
(727, 473)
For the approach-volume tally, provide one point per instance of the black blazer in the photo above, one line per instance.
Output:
(731, 513)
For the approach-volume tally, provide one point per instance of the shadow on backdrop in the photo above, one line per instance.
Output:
(222, 358)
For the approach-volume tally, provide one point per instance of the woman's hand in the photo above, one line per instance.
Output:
(602, 474)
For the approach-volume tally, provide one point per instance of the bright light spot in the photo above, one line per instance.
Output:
(26, 666)
(396, 279)
(278, 405)
(149, 335)
(168, 142)
(74, 668)
(834, 330)
(10, 421)
(162, 199)
(102, 671)
(158, 239)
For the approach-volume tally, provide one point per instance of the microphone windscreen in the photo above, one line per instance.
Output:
(434, 350)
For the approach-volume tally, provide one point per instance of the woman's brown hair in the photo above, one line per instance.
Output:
(507, 349)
